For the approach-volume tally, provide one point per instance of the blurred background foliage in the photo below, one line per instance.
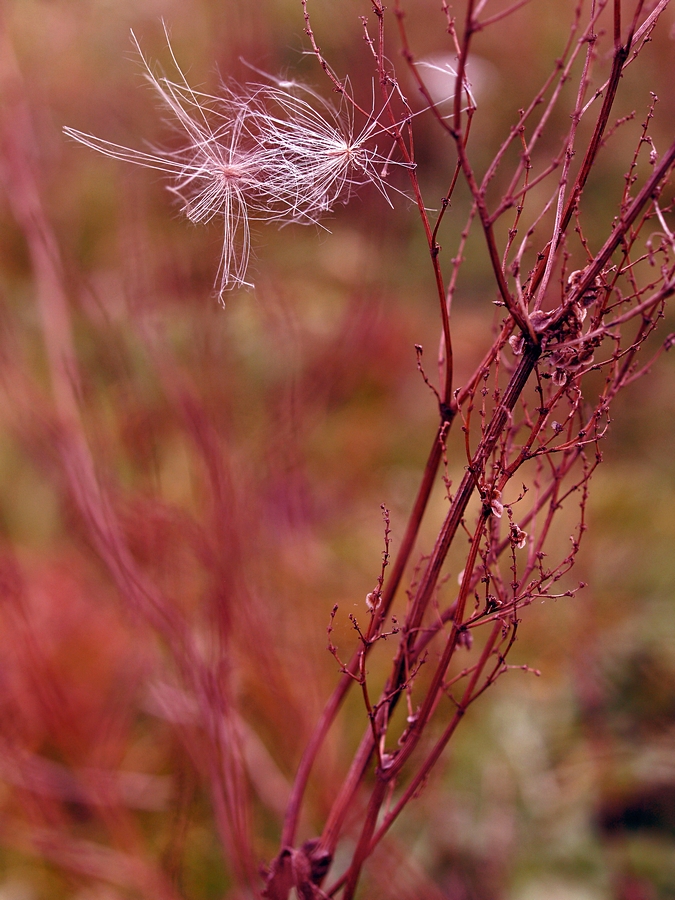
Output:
(306, 391)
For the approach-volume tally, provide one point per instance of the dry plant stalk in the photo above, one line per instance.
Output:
(532, 415)
(576, 320)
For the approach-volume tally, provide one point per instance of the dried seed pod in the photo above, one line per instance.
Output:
(591, 294)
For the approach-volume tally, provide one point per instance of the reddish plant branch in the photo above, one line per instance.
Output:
(553, 338)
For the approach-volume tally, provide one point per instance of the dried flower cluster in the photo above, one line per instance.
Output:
(566, 348)
(273, 152)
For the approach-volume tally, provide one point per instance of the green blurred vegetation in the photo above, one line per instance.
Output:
(310, 388)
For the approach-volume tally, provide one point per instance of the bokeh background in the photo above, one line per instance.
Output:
(246, 450)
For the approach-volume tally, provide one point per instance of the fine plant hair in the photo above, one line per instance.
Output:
(578, 319)
(275, 152)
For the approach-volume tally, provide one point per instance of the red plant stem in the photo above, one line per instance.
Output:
(448, 410)
(436, 685)
(363, 847)
(518, 314)
(647, 192)
(430, 233)
(369, 840)
(483, 23)
(427, 585)
(617, 25)
(620, 56)
(433, 757)
(486, 447)
(461, 67)
(391, 586)
(468, 484)
(90, 497)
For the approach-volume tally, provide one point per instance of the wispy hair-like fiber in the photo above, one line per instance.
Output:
(273, 152)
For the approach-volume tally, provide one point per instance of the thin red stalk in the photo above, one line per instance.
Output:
(361, 760)
(497, 17)
(519, 316)
(363, 850)
(617, 25)
(333, 705)
(620, 56)
(637, 34)
(460, 501)
(436, 685)
(647, 192)
(391, 586)
(352, 875)
(563, 69)
(433, 757)
(429, 233)
(461, 67)
(496, 430)
(558, 231)
(428, 583)
(447, 414)
(90, 497)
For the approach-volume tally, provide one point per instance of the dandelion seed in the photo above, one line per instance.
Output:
(311, 148)
(259, 153)
(214, 173)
